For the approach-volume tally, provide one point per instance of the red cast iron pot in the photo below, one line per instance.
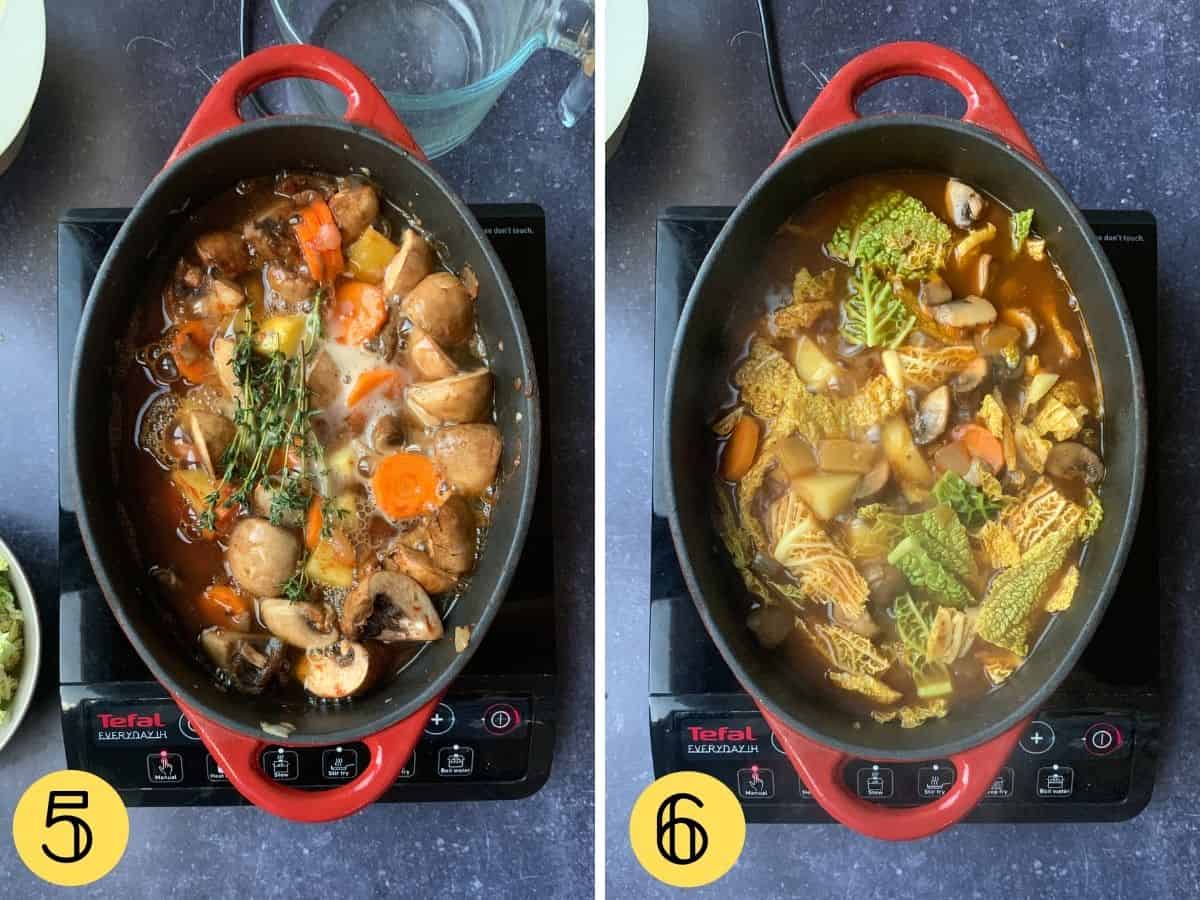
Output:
(987, 149)
(217, 150)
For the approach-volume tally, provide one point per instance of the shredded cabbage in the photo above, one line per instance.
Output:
(812, 297)
(917, 714)
(894, 233)
(867, 685)
(931, 367)
(12, 640)
(823, 571)
(1004, 615)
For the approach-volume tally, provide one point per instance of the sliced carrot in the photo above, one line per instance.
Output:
(369, 382)
(981, 444)
(321, 254)
(314, 524)
(359, 311)
(222, 605)
(405, 485)
(739, 452)
(189, 347)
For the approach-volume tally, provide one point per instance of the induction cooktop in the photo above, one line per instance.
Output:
(492, 737)
(1090, 754)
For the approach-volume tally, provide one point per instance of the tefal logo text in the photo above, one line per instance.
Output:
(722, 734)
(131, 721)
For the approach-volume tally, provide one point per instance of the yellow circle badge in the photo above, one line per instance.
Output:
(70, 828)
(687, 829)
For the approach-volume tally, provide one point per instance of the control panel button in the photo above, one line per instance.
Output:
(1102, 739)
(213, 769)
(441, 721)
(339, 764)
(805, 793)
(1002, 785)
(164, 768)
(410, 767)
(756, 783)
(875, 783)
(1055, 781)
(501, 718)
(775, 743)
(1038, 738)
(933, 781)
(455, 761)
(186, 729)
(281, 764)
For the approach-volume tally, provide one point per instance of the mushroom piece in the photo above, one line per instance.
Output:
(1075, 462)
(965, 313)
(210, 435)
(354, 207)
(983, 270)
(442, 305)
(932, 416)
(339, 670)
(466, 397)
(419, 567)
(262, 556)
(935, 292)
(387, 434)
(250, 661)
(223, 349)
(298, 623)
(289, 288)
(971, 376)
(452, 536)
(409, 267)
(874, 481)
(264, 499)
(224, 250)
(771, 624)
(324, 381)
(469, 456)
(964, 203)
(389, 607)
(1022, 319)
(427, 356)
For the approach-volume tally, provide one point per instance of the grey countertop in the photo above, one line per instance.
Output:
(1108, 93)
(121, 81)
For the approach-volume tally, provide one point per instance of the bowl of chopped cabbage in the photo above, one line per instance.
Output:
(20, 644)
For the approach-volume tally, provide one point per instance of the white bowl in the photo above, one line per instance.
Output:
(23, 37)
(33, 647)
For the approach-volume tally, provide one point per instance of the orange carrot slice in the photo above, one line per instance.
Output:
(189, 347)
(369, 382)
(739, 452)
(405, 485)
(314, 523)
(359, 312)
(981, 444)
(321, 254)
(222, 605)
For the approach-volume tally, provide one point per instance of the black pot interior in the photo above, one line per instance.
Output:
(260, 149)
(705, 349)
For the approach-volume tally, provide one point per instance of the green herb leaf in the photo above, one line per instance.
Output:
(1021, 223)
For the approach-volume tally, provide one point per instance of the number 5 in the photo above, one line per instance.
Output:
(83, 832)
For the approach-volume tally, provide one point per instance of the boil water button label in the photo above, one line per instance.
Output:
(1055, 781)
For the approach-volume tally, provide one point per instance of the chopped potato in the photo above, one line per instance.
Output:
(280, 333)
(369, 256)
(827, 493)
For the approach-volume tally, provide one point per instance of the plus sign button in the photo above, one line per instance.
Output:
(1038, 738)
(441, 721)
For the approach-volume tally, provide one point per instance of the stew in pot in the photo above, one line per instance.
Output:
(910, 448)
(308, 452)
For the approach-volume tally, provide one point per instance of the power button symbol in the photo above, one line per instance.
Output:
(1102, 739)
(501, 718)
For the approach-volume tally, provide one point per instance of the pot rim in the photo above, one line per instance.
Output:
(1111, 575)
(526, 476)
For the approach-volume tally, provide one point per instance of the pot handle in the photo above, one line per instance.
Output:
(820, 768)
(835, 104)
(365, 105)
(239, 757)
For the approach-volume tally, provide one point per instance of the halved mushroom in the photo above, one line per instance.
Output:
(963, 202)
(469, 456)
(466, 397)
(771, 624)
(971, 376)
(419, 567)
(442, 305)
(222, 350)
(935, 291)
(390, 606)
(409, 267)
(324, 381)
(289, 288)
(263, 501)
(965, 313)
(452, 534)
(225, 250)
(932, 416)
(1022, 319)
(427, 357)
(983, 271)
(210, 435)
(340, 670)
(387, 434)
(262, 556)
(1073, 461)
(298, 622)
(354, 207)
(250, 661)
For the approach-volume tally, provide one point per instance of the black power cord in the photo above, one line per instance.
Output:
(243, 44)
(774, 75)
